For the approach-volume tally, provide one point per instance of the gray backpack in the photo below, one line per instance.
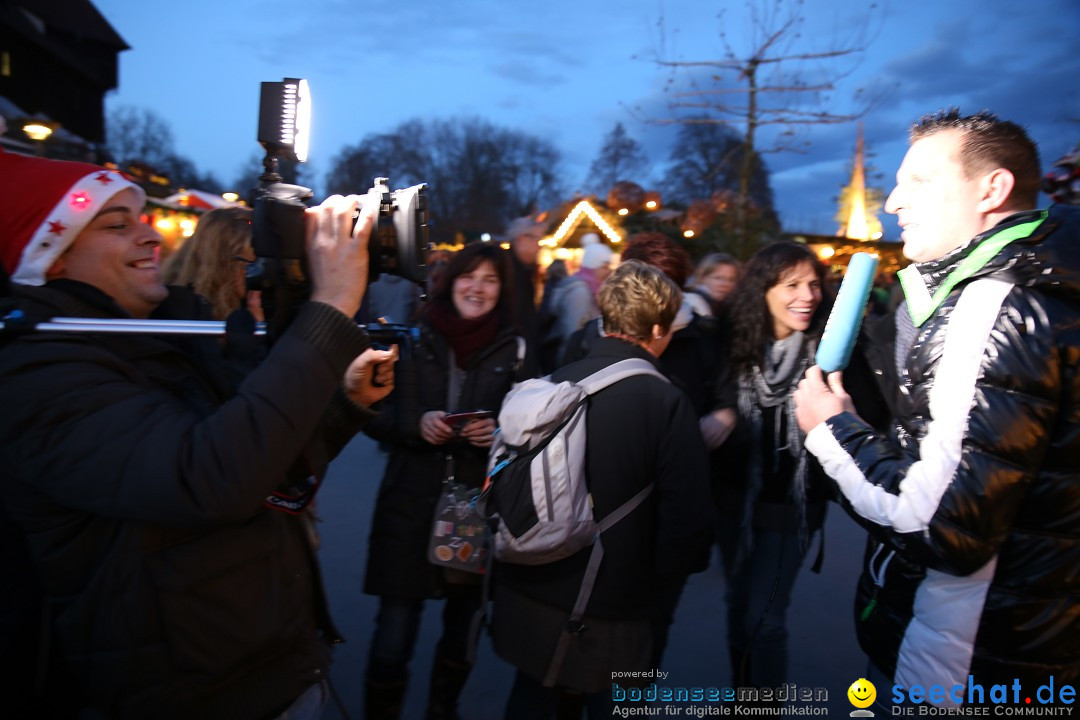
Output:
(536, 485)
(536, 492)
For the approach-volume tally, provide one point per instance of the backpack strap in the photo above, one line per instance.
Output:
(520, 361)
(479, 619)
(574, 624)
(618, 371)
(592, 384)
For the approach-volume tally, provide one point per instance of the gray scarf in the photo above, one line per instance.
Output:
(785, 364)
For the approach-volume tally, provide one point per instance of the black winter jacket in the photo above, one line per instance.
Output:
(526, 318)
(397, 564)
(692, 360)
(640, 430)
(976, 497)
(138, 477)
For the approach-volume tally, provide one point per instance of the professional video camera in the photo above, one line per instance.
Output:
(399, 241)
(398, 244)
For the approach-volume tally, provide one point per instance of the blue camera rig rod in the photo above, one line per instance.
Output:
(18, 323)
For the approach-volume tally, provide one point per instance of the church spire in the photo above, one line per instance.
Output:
(858, 221)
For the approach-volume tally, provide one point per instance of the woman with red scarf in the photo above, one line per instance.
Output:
(467, 358)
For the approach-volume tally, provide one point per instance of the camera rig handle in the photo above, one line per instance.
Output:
(15, 322)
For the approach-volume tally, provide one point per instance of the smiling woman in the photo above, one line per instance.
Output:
(771, 496)
(793, 300)
(438, 425)
(476, 291)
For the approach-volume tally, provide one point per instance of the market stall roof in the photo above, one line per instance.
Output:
(197, 200)
(581, 210)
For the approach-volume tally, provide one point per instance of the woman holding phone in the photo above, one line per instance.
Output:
(439, 424)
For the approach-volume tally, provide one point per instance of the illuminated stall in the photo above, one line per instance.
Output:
(176, 216)
(583, 217)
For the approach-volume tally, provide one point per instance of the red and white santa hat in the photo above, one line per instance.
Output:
(46, 204)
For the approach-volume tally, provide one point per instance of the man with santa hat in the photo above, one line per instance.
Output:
(159, 505)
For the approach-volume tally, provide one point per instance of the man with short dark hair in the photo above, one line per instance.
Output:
(162, 508)
(973, 503)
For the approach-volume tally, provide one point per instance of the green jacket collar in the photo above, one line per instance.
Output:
(922, 304)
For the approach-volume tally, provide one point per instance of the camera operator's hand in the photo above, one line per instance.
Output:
(253, 302)
(370, 377)
(433, 429)
(480, 433)
(337, 253)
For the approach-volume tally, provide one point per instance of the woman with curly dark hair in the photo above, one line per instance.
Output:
(770, 501)
(770, 492)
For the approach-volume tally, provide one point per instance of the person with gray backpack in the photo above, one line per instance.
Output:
(563, 626)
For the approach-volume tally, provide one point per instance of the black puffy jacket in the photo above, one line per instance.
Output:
(976, 498)
(138, 476)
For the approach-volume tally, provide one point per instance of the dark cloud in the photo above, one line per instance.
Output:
(334, 35)
(568, 71)
(524, 71)
(808, 201)
(1027, 72)
(980, 60)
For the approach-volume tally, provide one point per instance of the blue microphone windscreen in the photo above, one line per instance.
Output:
(842, 328)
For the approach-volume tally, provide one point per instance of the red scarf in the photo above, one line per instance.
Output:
(466, 337)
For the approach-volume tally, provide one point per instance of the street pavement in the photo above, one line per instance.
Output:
(823, 650)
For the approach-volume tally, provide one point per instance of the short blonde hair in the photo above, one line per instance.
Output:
(637, 296)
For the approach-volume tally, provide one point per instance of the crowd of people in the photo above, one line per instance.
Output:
(157, 509)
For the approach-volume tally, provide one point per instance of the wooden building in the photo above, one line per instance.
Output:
(58, 59)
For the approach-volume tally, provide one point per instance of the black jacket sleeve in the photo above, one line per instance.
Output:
(90, 431)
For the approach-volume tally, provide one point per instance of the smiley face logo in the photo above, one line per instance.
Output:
(862, 693)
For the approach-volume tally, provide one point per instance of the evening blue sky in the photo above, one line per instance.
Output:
(568, 71)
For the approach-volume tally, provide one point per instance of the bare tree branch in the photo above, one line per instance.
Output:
(481, 175)
(764, 88)
(773, 81)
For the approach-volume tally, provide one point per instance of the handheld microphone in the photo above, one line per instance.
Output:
(842, 328)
